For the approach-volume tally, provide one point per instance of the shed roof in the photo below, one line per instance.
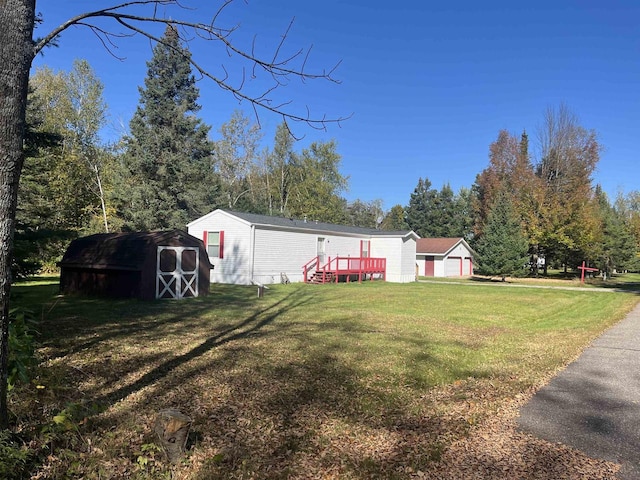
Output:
(119, 251)
(438, 246)
(313, 225)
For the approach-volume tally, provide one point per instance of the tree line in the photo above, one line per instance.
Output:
(167, 171)
(519, 210)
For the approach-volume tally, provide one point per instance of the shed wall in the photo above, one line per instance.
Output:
(103, 283)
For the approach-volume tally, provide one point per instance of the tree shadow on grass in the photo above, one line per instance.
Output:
(248, 327)
(72, 324)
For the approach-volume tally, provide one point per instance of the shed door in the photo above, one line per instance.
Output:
(453, 267)
(177, 272)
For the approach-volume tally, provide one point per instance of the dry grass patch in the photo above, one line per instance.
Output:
(349, 381)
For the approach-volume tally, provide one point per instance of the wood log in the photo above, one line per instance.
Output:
(172, 428)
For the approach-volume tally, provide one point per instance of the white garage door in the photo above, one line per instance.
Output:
(452, 267)
(467, 266)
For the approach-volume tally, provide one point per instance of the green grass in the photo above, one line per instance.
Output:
(349, 380)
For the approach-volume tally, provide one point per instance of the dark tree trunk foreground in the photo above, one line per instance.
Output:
(16, 54)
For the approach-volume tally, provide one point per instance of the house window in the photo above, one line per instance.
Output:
(214, 241)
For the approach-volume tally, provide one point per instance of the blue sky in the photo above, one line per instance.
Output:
(428, 84)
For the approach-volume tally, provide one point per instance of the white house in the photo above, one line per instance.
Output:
(444, 257)
(247, 248)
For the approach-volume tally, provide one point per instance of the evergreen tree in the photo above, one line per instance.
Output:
(433, 213)
(502, 249)
(167, 167)
(617, 246)
(420, 206)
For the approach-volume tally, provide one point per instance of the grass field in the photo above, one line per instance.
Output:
(337, 381)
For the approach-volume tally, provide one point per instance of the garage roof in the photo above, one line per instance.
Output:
(438, 246)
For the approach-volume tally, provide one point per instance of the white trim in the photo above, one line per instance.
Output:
(174, 283)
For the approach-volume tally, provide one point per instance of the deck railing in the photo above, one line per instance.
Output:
(347, 267)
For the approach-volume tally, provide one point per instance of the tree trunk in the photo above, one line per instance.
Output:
(16, 54)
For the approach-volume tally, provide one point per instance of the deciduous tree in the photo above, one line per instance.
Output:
(394, 219)
(569, 155)
(236, 156)
(364, 214)
(317, 184)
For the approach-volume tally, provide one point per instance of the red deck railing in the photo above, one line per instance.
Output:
(346, 267)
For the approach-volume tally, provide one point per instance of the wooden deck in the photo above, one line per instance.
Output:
(345, 269)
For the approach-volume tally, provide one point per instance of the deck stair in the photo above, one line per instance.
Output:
(319, 278)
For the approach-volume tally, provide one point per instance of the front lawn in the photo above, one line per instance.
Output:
(336, 381)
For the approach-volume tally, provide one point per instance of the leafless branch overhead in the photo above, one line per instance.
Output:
(280, 69)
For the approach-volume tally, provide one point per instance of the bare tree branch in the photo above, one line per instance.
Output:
(280, 69)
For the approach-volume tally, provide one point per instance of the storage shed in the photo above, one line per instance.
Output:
(444, 257)
(144, 265)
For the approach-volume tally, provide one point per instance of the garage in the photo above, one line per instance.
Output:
(444, 257)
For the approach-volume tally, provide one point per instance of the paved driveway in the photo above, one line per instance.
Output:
(594, 404)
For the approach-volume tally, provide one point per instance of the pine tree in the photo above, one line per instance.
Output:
(502, 249)
(167, 174)
(420, 207)
(617, 246)
(433, 213)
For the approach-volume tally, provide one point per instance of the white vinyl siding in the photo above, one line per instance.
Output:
(283, 252)
(401, 257)
(235, 266)
(255, 253)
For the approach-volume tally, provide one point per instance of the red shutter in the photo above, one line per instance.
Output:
(204, 239)
(360, 248)
(221, 244)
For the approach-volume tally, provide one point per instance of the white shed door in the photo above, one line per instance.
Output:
(177, 272)
(452, 267)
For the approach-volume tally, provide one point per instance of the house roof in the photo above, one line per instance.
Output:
(312, 225)
(119, 251)
(439, 246)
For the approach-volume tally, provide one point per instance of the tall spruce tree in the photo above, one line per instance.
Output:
(617, 247)
(433, 213)
(502, 249)
(168, 165)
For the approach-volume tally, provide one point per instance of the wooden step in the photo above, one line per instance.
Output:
(316, 278)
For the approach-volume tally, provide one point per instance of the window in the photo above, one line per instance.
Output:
(214, 241)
